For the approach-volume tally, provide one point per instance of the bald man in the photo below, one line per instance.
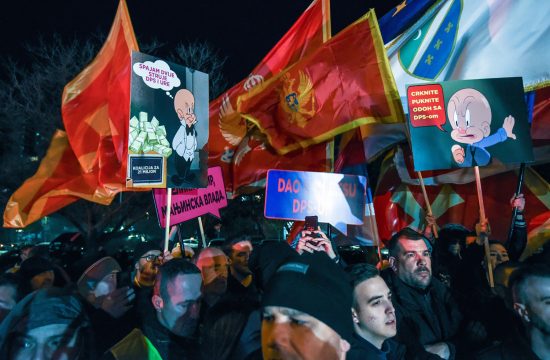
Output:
(213, 265)
(185, 141)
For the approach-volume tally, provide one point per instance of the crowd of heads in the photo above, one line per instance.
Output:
(252, 301)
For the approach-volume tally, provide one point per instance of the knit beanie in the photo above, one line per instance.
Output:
(315, 285)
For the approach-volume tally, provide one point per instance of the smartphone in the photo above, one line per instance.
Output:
(311, 223)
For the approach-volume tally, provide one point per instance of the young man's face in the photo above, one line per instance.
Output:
(373, 312)
(413, 264)
(292, 334)
(240, 253)
(180, 312)
(537, 293)
(54, 341)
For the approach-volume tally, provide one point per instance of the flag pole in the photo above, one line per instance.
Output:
(202, 232)
(427, 201)
(482, 220)
(372, 220)
(515, 211)
(167, 224)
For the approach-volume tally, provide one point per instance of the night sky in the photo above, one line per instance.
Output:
(243, 31)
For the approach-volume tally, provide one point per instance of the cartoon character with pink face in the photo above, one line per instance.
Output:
(185, 140)
(470, 117)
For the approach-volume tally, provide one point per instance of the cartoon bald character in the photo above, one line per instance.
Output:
(185, 141)
(470, 117)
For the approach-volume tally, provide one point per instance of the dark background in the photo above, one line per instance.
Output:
(243, 31)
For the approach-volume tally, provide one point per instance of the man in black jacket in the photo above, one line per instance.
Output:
(428, 319)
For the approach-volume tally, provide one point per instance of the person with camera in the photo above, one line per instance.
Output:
(312, 240)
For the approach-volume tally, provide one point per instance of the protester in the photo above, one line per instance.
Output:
(240, 279)
(315, 240)
(109, 307)
(147, 259)
(47, 324)
(530, 288)
(213, 265)
(306, 311)
(170, 333)
(11, 291)
(37, 273)
(24, 254)
(373, 316)
(428, 319)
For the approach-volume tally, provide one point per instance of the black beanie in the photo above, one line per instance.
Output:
(144, 247)
(315, 285)
(35, 265)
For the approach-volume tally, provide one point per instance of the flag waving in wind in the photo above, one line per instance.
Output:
(475, 39)
(88, 161)
(233, 143)
(345, 83)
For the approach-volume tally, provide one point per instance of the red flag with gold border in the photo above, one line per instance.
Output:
(231, 141)
(345, 83)
(96, 103)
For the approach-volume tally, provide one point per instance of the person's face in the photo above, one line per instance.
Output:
(54, 341)
(413, 264)
(8, 295)
(43, 280)
(180, 312)
(148, 267)
(240, 253)
(373, 312)
(537, 293)
(292, 334)
(469, 115)
(213, 266)
(499, 255)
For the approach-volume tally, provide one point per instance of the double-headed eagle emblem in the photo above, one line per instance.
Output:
(298, 104)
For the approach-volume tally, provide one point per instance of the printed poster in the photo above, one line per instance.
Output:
(468, 123)
(168, 127)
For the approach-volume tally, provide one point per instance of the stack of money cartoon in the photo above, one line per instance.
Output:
(148, 137)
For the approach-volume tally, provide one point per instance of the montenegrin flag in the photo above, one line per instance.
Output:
(237, 147)
(58, 182)
(475, 39)
(96, 103)
(345, 83)
(88, 161)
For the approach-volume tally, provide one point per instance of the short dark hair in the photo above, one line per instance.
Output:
(169, 271)
(519, 278)
(232, 240)
(393, 244)
(360, 272)
(14, 281)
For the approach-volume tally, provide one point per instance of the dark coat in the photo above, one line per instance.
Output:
(362, 349)
(424, 317)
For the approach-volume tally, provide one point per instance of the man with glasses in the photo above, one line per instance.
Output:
(147, 259)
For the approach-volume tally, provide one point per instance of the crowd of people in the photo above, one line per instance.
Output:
(431, 299)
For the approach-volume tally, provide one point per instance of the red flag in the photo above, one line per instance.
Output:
(230, 140)
(58, 182)
(398, 204)
(540, 129)
(344, 84)
(96, 103)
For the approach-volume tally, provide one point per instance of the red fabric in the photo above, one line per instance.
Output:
(229, 135)
(342, 85)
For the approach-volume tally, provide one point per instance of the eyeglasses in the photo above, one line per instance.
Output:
(151, 257)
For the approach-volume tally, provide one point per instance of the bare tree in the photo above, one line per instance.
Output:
(30, 94)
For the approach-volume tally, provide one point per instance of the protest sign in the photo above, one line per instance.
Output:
(191, 203)
(168, 126)
(468, 123)
(336, 199)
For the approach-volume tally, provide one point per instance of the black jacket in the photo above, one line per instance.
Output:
(362, 349)
(424, 317)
